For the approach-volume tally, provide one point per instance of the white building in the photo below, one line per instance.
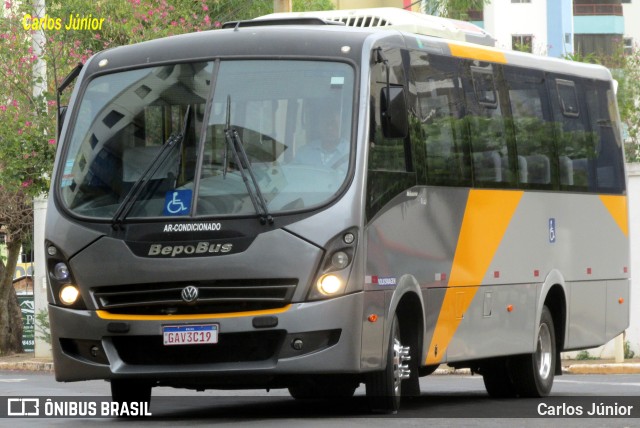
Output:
(631, 13)
(520, 24)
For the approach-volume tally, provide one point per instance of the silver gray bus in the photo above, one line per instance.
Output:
(296, 204)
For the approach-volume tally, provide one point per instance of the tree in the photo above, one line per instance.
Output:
(28, 132)
(629, 103)
(625, 68)
(455, 9)
(26, 155)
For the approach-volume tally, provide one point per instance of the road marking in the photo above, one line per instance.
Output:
(12, 380)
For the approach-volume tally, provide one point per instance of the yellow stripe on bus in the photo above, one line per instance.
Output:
(486, 218)
(105, 315)
(617, 207)
(474, 52)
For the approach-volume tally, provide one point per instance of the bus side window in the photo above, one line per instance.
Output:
(575, 140)
(440, 110)
(389, 168)
(609, 162)
(532, 127)
(489, 149)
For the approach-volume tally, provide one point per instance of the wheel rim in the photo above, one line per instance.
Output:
(397, 379)
(543, 352)
(401, 356)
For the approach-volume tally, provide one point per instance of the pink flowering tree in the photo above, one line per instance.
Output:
(27, 148)
(27, 121)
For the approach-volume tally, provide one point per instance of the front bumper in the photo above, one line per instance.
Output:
(91, 345)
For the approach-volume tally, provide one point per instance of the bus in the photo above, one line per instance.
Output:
(305, 205)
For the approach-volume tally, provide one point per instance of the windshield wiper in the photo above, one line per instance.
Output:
(159, 159)
(234, 141)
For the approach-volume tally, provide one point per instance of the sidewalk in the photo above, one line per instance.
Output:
(28, 361)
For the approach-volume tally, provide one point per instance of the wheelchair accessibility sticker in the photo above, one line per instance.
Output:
(552, 230)
(177, 202)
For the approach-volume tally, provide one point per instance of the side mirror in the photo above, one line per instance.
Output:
(62, 111)
(393, 112)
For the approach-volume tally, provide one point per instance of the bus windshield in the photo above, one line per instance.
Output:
(154, 142)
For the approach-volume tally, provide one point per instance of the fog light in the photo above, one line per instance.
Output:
(61, 272)
(297, 344)
(69, 294)
(95, 351)
(329, 284)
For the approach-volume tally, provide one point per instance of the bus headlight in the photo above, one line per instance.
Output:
(329, 285)
(69, 294)
(61, 272)
(65, 290)
(332, 277)
(340, 260)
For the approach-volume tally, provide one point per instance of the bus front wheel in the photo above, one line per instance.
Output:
(384, 388)
(533, 373)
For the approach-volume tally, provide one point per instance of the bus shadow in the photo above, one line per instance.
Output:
(454, 405)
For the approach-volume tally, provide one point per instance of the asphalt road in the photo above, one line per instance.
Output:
(448, 400)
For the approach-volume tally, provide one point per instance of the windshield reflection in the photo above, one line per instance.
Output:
(292, 117)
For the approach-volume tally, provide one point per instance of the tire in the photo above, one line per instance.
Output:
(384, 388)
(497, 378)
(128, 390)
(533, 374)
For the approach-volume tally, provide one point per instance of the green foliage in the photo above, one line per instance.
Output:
(42, 326)
(523, 47)
(590, 58)
(626, 71)
(628, 352)
(28, 131)
(26, 137)
(455, 9)
(584, 355)
(629, 103)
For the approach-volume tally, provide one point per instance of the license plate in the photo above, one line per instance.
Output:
(190, 334)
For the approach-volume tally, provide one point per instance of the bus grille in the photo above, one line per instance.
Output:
(232, 348)
(220, 296)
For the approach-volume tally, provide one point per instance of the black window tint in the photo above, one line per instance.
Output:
(390, 170)
(575, 140)
(484, 86)
(489, 150)
(608, 152)
(532, 127)
(441, 116)
(386, 154)
(568, 98)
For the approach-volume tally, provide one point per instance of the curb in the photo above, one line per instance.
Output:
(604, 369)
(451, 371)
(617, 368)
(36, 366)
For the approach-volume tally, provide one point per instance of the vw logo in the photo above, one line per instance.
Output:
(189, 294)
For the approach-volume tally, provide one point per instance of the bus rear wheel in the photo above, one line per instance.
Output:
(497, 379)
(533, 373)
(384, 389)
